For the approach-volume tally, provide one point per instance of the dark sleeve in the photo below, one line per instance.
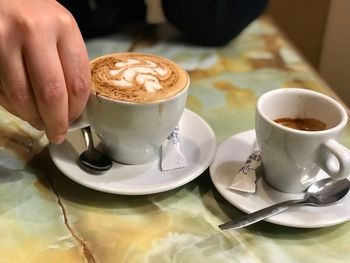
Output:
(212, 22)
(100, 17)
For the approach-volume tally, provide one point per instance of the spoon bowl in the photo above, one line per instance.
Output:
(92, 160)
(326, 191)
(321, 193)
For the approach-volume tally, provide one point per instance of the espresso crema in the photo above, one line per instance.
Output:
(303, 124)
(136, 77)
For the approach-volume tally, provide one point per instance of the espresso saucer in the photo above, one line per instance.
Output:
(232, 154)
(198, 144)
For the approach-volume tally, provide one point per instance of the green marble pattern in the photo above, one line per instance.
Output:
(46, 217)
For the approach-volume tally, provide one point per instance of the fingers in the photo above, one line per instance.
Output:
(44, 67)
(17, 96)
(48, 85)
(4, 102)
(76, 69)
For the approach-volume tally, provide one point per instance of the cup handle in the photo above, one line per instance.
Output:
(79, 123)
(341, 153)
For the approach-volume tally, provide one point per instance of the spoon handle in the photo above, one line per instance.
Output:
(260, 214)
(88, 138)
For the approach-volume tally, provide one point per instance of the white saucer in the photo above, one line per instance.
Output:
(232, 154)
(198, 144)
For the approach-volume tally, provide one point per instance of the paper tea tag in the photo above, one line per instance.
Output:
(245, 179)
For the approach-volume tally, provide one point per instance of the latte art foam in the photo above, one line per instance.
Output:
(145, 73)
(136, 77)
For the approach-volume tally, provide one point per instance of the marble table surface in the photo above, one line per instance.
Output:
(47, 217)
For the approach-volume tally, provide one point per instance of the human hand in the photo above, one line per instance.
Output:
(44, 66)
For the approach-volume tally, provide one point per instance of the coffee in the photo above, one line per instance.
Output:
(303, 124)
(135, 77)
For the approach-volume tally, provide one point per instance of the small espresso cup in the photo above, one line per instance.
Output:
(293, 155)
(132, 126)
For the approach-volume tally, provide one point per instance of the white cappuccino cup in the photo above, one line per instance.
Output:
(135, 103)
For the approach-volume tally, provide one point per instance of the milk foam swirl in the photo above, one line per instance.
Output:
(146, 73)
(136, 77)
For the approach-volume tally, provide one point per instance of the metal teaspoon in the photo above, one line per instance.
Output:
(321, 193)
(92, 159)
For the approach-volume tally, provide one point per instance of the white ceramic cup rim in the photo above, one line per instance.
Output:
(146, 102)
(268, 95)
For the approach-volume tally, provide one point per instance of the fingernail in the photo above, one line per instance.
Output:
(58, 139)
